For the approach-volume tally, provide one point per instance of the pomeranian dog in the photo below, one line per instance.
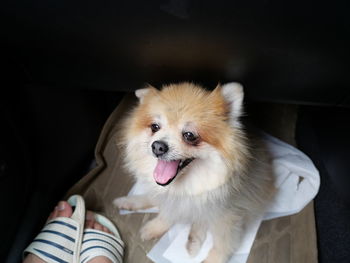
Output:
(187, 147)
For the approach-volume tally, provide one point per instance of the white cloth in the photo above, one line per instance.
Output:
(297, 183)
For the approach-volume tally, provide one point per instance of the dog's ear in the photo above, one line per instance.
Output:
(233, 95)
(142, 93)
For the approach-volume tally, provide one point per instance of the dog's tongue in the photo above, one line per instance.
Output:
(165, 171)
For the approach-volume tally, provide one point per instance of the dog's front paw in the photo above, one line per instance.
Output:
(153, 229)
(193, 245)
(149, 231)
(125, 203)
(196, 239)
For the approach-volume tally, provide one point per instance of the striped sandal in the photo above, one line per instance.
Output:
(60, 239)
(98, 243)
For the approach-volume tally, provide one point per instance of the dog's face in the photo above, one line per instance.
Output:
(184, 133)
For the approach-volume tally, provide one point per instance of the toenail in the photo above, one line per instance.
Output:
(61, 206)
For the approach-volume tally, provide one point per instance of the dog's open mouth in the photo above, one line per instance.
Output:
(166, 171)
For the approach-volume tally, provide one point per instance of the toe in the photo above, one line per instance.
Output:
(97, 226)
(54, 213)
(89, 224)
(50, 216)
(90, 216)
(64, 209)
(89, 220)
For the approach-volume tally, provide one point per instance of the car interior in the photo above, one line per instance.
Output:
(68, 64)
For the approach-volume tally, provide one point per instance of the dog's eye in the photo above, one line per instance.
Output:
(155, 127)
(190, 137)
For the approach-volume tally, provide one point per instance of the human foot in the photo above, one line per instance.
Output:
(63, 209)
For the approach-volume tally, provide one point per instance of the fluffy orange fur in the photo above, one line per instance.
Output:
(208, 110)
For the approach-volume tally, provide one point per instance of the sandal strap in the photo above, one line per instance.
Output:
(60, 239)
(98, 243)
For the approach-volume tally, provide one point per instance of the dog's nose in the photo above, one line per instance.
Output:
(159, 148)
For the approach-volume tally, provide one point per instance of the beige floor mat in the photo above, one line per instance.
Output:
(283, 240)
